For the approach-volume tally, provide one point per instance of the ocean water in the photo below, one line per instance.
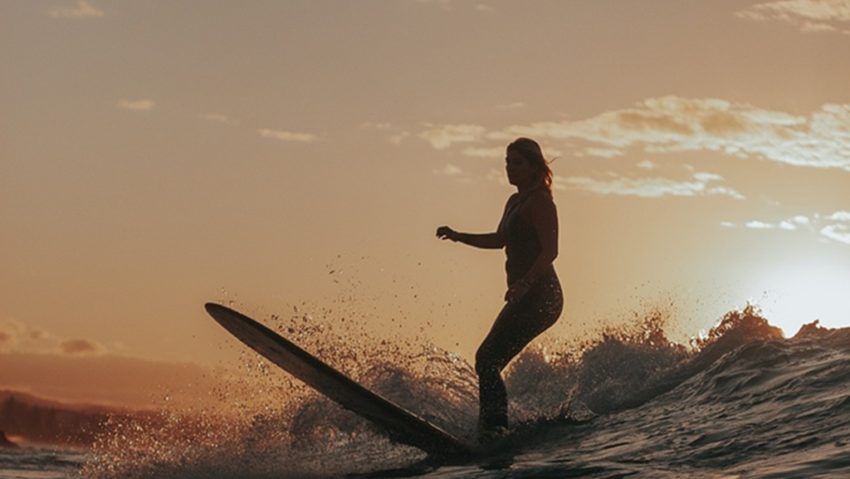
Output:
(742, 402)
(41, 463)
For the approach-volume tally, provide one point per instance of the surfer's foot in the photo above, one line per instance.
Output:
(491, 435)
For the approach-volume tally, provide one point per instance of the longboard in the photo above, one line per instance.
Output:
(396, 422)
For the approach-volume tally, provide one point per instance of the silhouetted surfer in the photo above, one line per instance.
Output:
(528, 231)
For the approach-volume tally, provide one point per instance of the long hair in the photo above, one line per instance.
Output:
(531, 151)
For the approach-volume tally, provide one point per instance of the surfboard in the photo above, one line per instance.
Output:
(393, 420)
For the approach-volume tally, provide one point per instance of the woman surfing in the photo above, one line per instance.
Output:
(528, 231)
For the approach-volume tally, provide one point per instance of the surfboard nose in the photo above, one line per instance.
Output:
(218, 310)
(221, 314)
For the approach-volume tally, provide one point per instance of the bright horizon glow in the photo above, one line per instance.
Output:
(802, 292)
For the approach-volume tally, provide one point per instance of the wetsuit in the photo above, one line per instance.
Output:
(519, 322)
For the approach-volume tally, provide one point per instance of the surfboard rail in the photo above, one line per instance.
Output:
(397, 423)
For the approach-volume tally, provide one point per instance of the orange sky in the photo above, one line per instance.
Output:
(154, 156)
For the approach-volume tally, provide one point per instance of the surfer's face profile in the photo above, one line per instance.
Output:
(520, 171)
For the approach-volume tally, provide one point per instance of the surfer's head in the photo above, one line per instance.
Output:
(526, 165)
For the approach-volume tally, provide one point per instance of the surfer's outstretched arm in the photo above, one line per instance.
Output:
(481, 240)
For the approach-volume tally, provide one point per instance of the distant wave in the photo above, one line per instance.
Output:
(52, 422)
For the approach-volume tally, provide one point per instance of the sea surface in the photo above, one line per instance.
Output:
(740, 402)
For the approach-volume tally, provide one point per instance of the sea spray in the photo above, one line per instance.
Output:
(670, 402)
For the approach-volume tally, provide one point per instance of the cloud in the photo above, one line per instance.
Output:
(835, 226)
(397, 135)
(377, 125)
(448, 170)
(809, 16)
(648, 187)
(83, 9)
(759, 225)
(288, 136)
(137, 105)
(17, 336)
(75, 347)
(10, 332)
(839, 227)
(449, 4)
(7, 338)
(672, 124)
(399, 138)
(442, 137)
(840, 216)
(38, 334)
(840, 233)
(511, 106)
(602, 152)
(495, 152)
(217, 117)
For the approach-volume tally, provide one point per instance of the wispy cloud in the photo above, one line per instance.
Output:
(137, 105)
(837, 232)
(19, 337)
(10, 332)
(672, 124)
(448, 170)
(377, 125)
(288, 136)
(601, 152)
(217, 117)
(7, 338)
(397, 139)
(701, 184)
(493, 153)
(397, 134)
(80, 347)
(835, 226)
(449, 4)
(444, 136)
(807, 15)
(81, 10)
(759, 225)
(511, 106)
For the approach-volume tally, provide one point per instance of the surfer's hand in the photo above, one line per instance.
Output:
(444, 232)
(517, 290)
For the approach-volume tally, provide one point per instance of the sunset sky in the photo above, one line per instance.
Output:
(157, 155)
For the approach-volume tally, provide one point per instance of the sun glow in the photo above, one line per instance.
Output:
(800, 293)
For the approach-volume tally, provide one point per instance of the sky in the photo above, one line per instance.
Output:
(296, 157)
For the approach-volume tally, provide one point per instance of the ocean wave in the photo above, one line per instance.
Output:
(724, 401)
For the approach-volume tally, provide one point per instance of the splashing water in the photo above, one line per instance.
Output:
(741, 400)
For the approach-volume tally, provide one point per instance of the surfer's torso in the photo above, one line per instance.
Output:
(522, 244)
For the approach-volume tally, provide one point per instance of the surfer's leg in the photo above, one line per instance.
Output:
(490, 359)
(516, 326)
(506, 339)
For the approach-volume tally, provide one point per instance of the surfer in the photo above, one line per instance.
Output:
(528, 231)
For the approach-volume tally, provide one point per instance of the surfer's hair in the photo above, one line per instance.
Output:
(531, 151)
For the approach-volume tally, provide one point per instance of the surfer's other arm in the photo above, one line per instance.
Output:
(481, 240)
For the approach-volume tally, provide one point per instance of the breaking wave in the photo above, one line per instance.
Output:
(630, 401)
